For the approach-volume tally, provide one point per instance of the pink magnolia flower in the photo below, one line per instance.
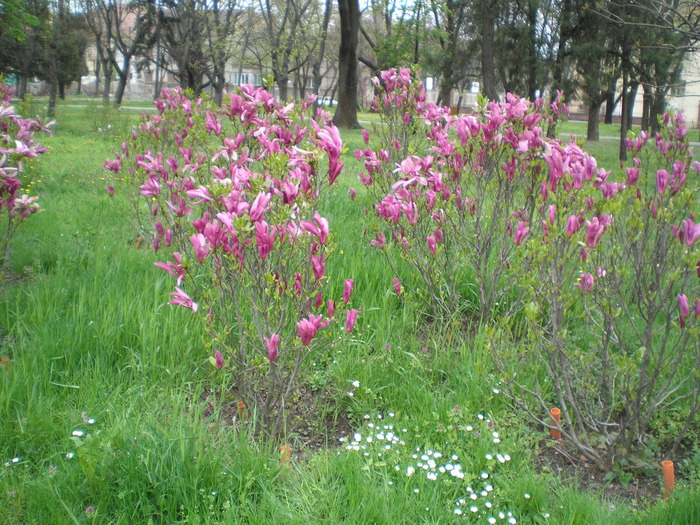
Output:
(335, 167)
(697, 308)
(213, 124)
(319, 265)
(350, 319)
(150, 187)
(661, 181)
(180, 298)
(329, 140)
(594, 230)
(202, 193)
(110, 190)
(521, 233)
(272, 343)
(290, 191)
(572, 225)
(432, 246)
(691, 231)
(259, 206)
(319, 227)
(199, 243)
(307, 328)
(352, 194)
(219, 359)
(175, 269)
(397, 285)
(347, 290)
(632, 176)
(265, 238)
(684, 308)
(113, 165)
(331, 308)
(586, 282)
(610, 189)
(379, 240)
(306, 331)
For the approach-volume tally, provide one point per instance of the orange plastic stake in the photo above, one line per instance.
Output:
(669, 477)
(242, 411)
(285, 455)
(555, 416)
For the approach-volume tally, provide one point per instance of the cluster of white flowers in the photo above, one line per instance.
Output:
(385, 444)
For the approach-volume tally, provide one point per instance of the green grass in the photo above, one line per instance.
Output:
(85, 326)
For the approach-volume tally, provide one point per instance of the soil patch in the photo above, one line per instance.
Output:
(312, 421)
(564, 461)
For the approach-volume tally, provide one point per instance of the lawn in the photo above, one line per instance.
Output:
(112, 412)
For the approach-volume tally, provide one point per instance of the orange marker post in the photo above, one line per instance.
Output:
(285, 455)
(242, 410)
(555, 418)
(669, 478)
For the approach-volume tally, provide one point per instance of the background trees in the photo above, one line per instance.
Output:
(23, 35)
(601, 53)
(196, 39)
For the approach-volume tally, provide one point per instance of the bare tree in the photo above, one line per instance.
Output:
(287, 40)
(681, 17)
(196, 37)
(320, 58)
(122, 30)
(450, 18)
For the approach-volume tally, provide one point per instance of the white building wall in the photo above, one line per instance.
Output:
(686, 97)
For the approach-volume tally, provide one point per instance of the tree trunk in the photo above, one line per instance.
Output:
(316, 68)
(624, 114)
(634, 87)
(593, 132)
(646, 108)
(218, 93)
(98, 64)
(123, 74)
(658, 107)
(488, 69)
(22, 90)
(609, 107)
(107, 66)
(346, 112)
(283, 86)
(532, 48)
(446, 87)
(53, 76)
